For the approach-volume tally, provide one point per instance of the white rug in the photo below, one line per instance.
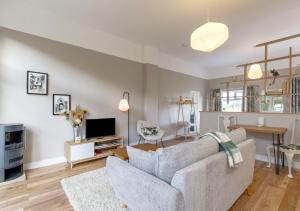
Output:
(91, 191)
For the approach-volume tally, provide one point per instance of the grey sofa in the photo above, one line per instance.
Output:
(191, 176)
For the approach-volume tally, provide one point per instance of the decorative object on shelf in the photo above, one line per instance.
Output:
(37, 83)
(260, 121)
(275, 74)
(255, 72)
(209, 36)
(274, 92)
(76, 118)
(124, 106)
(61, 104)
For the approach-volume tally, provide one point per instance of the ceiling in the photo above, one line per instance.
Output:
(167, 25)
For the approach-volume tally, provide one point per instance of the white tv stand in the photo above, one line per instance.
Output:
(91, 149)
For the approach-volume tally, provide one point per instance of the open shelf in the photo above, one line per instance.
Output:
(91, 149)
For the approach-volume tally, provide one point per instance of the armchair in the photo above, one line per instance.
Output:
(150, 138)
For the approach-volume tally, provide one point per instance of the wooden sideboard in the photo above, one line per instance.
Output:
(91, 149)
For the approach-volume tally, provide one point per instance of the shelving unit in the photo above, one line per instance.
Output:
(91, 149)
(182, 123)
(291, 93)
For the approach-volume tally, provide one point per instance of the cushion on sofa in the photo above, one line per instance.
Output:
(237, 136)
(142, 160)
(166, 161)
(172, 159)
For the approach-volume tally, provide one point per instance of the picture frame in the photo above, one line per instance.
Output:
(61, 103)
(37, 83)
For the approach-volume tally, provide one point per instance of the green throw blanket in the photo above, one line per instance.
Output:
(233, 153)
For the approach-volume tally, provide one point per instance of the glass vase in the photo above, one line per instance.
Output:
(77, 134)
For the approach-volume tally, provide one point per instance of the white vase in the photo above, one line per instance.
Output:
(260, 121)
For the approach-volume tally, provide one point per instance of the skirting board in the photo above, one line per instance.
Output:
(57, 160)
(44, 163)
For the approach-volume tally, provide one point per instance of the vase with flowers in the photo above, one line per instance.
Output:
(76, 118)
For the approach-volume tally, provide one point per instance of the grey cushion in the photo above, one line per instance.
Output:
(166, 161)
(142, 160)
(237, 136)
(172, 159)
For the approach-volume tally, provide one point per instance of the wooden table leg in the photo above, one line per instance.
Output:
(249, 190)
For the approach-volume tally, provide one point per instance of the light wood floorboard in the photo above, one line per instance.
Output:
(42, 189)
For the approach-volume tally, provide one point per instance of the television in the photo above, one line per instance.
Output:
(100, 127)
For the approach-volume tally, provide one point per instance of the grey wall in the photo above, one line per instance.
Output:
(163, 89)
(94, 80)
(171, 86)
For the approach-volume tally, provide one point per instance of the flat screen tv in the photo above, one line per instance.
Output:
(100, 127)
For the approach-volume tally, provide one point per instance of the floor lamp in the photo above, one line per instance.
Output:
(124, 106)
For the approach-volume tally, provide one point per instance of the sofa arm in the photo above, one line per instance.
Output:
(211, 180)
(140, 190)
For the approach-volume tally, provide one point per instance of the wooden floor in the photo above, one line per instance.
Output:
(42, 190)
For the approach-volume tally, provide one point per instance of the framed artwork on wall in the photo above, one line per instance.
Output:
(37, 83)
(61, 103)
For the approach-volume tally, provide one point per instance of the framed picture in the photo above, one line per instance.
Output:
(37, 83)
(61, 103)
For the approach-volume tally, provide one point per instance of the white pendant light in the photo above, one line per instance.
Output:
(255, 72)
(209, 36)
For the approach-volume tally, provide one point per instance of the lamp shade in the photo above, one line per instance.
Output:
(123, 105)
(209, 36)
(255, 71)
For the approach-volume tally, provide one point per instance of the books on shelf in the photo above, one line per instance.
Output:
(286, 87)
(274, 92)
(295, 91)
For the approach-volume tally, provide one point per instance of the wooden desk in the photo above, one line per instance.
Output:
(275, 131)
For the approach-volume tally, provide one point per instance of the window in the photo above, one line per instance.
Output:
(271, 103)
(233, 102)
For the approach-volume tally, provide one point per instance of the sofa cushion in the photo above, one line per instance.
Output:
(174, 158)
(142, 160)
(166, 161)
(237, 136)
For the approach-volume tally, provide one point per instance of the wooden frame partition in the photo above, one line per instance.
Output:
(290, 75)
(266, 60)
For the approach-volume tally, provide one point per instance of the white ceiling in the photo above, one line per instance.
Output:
(167, 25)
